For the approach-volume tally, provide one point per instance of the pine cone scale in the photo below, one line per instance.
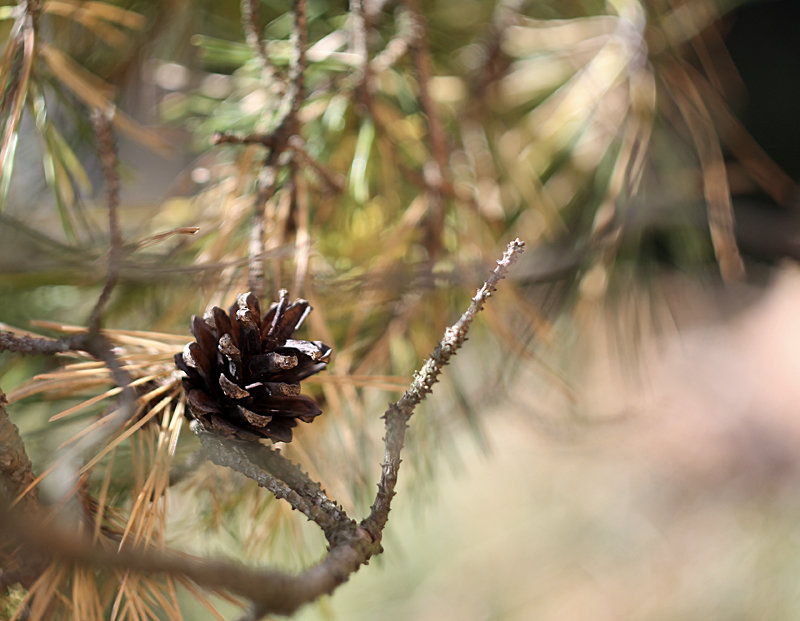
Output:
(273, 362)
(200, 402)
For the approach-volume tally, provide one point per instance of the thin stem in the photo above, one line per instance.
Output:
(277, 142)
(333, 180)
(32, 345)
(397, 47)
(295, 143)
(297, 62)
(267, 186)
(108, 159)
(266, 140)
(284, 479)
(249, 10)
(435, 170)
(399, 413)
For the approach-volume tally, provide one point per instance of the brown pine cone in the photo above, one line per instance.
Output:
(242, 375)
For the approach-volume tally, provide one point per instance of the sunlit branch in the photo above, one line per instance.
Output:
(399, 413)
(280, 476)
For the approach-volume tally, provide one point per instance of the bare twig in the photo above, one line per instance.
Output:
(506, 14)
(398, 414)
(277, 142)
(333, 180)
(436, 170)
(100, 348)
(284, 479)
(297, 63)
(294, 142)
(267, 186)
(266, 140)
(269, 590)
(93, 341)
(108, 159)
(32, 345)
(249, 10)
(394, 50)
(302, 238)
(398, 45)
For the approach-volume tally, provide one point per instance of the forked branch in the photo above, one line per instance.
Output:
(351, 544)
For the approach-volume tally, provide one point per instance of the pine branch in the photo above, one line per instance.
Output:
(278, 141)
(280, 476)
(270, 591)
(436, 170)
(32, 345)
(399, 413)
(16, 474)
(352, 545)
(249, 10)
(108, 158)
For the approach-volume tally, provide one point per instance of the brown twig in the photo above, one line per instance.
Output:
(436, 170)
(267, 186)
(32, 345)
(293, 142)
(93, 341)
(495, 63)
(399, 413)
(277, 142)
(302, 238)
(333, 180)
(269, 590)
(267, 141)
(280, 476)
(108, 158)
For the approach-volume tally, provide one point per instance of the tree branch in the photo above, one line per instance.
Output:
(16, 474)
(399, 413)
(277, 142)
(297, 62)
(108, 158)
(271, 470)
(270, 591)
(435, 170)
(397, 46)
(249, 9)
(93, 341)
(31, 344)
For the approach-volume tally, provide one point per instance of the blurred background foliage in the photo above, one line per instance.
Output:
(606, 134)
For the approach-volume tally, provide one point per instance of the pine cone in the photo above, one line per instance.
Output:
(242, 375)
